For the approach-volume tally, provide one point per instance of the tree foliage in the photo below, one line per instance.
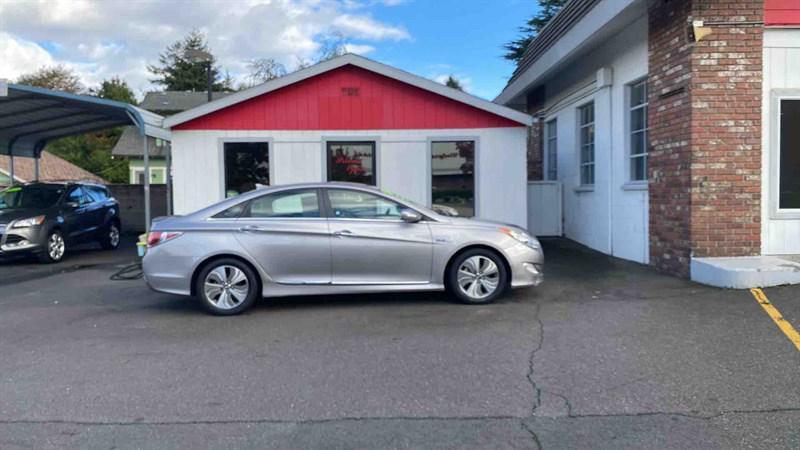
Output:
(176, 72)
(115, 89)
(263, 70)
(57, 78)
(452, 82)
(547, 9)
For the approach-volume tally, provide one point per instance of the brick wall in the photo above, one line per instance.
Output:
(535, 102)
(705, 128)
(726, 130)
(670, 136)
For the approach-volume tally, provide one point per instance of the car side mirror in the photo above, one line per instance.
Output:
(73, 205)
(410, 216)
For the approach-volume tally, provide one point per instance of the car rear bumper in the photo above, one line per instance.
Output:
(166, 271)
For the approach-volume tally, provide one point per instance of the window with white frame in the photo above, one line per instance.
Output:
(789, 154)
(638, 131)
(586, 143)
(551, 148)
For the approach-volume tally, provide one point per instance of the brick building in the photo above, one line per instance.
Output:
(672, 126)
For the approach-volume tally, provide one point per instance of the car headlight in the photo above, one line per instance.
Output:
(522, 237)
(29, 222)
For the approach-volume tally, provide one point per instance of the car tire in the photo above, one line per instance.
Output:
(477, 277)
(54, 249)
(227, 286)
(110, 237)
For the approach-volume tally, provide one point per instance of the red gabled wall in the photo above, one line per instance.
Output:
(348, 98)
(782, 12)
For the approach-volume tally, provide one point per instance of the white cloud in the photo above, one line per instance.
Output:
(100, 39)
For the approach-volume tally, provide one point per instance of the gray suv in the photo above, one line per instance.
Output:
(44, 219)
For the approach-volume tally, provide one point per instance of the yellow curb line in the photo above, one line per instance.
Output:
(776, 317)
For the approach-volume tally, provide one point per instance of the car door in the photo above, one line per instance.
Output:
(286, 233)
(371, 244)
(75, 214)
(95, 208)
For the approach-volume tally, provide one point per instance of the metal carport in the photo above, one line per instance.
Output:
(30, 117)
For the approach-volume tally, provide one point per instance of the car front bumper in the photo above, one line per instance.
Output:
(527, 266)
(15, 241)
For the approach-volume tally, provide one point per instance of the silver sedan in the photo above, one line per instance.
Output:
(333, 238)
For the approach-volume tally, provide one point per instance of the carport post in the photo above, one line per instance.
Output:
(11, 166)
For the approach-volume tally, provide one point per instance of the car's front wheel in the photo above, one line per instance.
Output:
(227, 286)
(54, 248)
(477, 277)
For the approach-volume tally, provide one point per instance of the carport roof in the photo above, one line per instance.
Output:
(30, 116)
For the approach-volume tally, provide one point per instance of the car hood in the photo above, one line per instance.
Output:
(480, 223)
(7, 215)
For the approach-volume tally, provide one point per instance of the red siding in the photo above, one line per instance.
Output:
(348, 98)
(782, 12)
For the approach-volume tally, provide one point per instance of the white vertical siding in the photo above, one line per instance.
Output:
(613, 216)
(781, 71)
(403, 164)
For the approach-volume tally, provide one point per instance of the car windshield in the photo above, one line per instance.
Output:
(36, 196)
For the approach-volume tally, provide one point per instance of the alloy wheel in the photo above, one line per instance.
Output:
(478, 277)
(55, 246)
(113, 235)
(226, 287)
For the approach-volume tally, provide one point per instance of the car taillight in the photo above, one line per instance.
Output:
(159, 237)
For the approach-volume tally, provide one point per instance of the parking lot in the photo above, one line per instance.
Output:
(605, 354)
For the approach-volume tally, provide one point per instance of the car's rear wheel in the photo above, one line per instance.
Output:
(55, 247)
(110, 238)
(477, 277)
(227, 286)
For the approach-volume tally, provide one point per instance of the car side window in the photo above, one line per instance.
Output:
(290, 204)
(349, 204)
(96, 194)
(77, 195)
(233, 212)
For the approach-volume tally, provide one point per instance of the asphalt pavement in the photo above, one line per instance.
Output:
(605, 354)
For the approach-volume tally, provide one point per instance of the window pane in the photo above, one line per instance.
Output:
(246, 167)
(351, 162)
(639, 93)
(638, 117)
(347, 204)
(453, 176)
(301, 203)
(638, 144)
(639, 168)
(232, 212)
(790, 155)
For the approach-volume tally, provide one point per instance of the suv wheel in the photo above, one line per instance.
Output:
(477, 277)
(55, 247)
(227, 287)
(109, 240)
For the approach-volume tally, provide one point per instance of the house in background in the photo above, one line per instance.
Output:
(51, 168)
(130, 144)
(353, 119)
(672, 127)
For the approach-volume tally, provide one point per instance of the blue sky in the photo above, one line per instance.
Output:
(99, 39)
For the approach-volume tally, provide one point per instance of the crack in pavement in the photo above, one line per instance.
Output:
(537, 393)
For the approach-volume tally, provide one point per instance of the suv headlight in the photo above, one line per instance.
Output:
(522, 237)
(29, 222)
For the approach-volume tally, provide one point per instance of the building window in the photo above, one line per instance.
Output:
(638, 130)
(586, 142)
(453, 176)
(551, 147)
(789, 159)
(353, 162)
(246, 167)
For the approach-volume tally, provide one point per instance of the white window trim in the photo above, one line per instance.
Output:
(633, 184)
(776, 212)
(221, 158)
(585, 187)
(135, 171)
(476, 176)
(546, 151)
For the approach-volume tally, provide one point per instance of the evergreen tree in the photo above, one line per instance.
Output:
(115, 89)
(175, 72)
(547, 9)
(452, 82)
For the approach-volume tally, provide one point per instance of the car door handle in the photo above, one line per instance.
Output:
(342, 233)
(251, 229)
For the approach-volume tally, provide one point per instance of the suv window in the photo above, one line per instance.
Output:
(77, 195)
(96, 193)
(347, 204)
(298, 203)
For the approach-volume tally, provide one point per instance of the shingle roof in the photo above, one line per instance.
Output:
(175, 101)
(51, 168)
(130, 144)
